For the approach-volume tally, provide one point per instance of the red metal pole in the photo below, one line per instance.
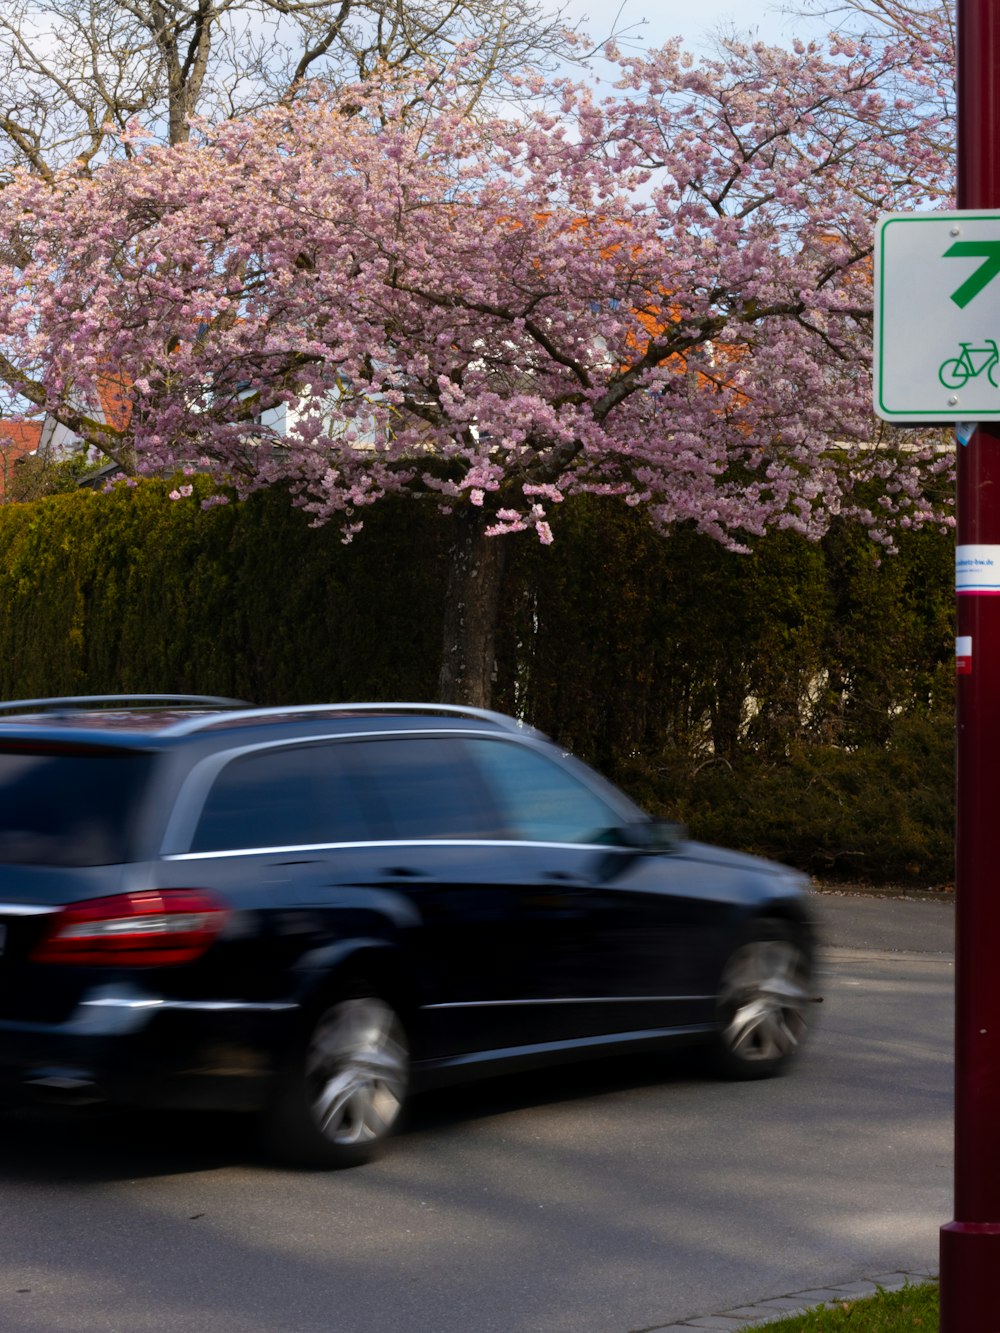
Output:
(970, 1245)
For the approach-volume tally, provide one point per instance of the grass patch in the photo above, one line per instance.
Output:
(888, 1312)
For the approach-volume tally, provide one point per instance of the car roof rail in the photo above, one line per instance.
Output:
(96, 702)
(292, 711)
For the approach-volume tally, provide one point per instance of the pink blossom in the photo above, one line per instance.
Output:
(663, 296)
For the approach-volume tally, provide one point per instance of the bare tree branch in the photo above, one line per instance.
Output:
(75, 73)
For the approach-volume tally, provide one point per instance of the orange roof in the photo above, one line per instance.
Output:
(17, 438)
(112, 391)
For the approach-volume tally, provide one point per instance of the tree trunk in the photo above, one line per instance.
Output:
(472, 607)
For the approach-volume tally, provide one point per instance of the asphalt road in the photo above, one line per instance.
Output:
(616, 1198)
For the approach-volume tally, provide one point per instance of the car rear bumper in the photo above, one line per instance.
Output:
(120, 1045)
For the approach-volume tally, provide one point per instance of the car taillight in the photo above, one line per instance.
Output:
(152, 928)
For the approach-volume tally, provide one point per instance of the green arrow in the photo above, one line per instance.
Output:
(984, 274)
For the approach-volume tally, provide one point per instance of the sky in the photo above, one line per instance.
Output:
(694, 20)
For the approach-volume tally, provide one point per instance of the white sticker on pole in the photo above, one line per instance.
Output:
(963, 655)
(977, 570)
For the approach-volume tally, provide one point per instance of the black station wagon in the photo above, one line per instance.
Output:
(309, 912)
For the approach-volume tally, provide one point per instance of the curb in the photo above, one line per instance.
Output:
(795, 1302)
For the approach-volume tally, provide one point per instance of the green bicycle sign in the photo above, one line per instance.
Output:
(970, 363)
(936, 336)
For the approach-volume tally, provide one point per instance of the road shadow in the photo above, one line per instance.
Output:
(98, 1144)
(551, 1085)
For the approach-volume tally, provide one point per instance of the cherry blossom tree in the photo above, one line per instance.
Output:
(929, 27)
(931, 23)
(73, 72)
(663, 297)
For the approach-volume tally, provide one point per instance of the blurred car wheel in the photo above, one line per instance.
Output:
(346, 1087)
(763, 1004)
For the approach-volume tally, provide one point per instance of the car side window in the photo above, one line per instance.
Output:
(287, 797)
(539, 800)
(426, 787)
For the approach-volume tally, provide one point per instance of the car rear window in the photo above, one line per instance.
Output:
(425, 787)
(296, 797)
(64, 807)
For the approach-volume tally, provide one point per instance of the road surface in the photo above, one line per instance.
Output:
(620, 1197)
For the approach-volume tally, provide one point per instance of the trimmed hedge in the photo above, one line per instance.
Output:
(797, 702)
(875, 813)
(133, 591)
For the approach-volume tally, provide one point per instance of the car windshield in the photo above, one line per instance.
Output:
(60, 806)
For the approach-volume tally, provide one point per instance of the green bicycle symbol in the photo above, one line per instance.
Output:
(970, 362)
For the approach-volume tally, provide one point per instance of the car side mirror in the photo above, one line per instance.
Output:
(651, 835)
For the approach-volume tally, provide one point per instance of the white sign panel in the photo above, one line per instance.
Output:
(977, 569)
(937, 316)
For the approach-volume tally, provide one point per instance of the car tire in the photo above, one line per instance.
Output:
(762, 1004)
(346, 1087)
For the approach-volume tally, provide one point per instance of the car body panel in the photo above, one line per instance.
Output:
(501, 950)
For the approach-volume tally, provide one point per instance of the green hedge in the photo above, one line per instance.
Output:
(797, 702)
(875, 813)
(133, 591)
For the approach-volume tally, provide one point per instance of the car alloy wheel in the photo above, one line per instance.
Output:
(762, 1005)
(356, 1071)
(345, 1090)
